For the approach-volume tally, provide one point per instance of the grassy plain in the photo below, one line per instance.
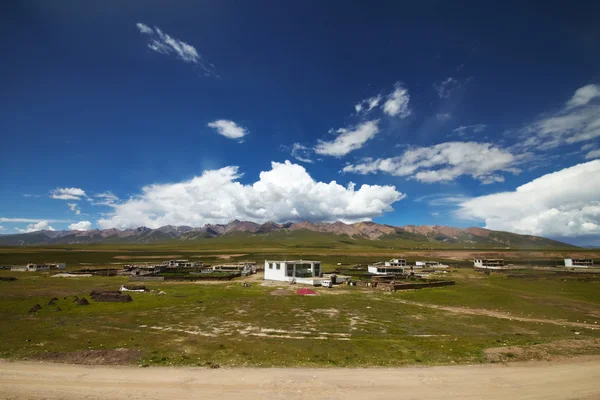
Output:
(229, 325)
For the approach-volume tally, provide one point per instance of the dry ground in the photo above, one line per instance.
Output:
(571, 379)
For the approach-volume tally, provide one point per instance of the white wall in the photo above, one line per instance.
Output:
(275, 274)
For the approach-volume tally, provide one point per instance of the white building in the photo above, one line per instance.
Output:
(396, 262)
(181, 263)
(579, 262)
(299, 271)
(245, 268)
(429, 264)
(489, 263)
(385, 269)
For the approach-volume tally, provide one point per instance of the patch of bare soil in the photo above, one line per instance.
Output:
(499, 314)
(145, 257)
(543, 352)
(92, 357)
(228, 256)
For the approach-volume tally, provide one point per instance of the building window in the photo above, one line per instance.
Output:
(317, 269)
(270, 265)
(289, 270)
(278, 266)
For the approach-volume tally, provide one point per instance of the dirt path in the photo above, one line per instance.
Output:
(573, 379)
(501, 315)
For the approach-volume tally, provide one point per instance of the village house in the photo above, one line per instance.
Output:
(243, 267)
(32, 267)
(298, 271)
(385, 269)
(181, 264)
(488, 263)
(429, 264)
(579, 262)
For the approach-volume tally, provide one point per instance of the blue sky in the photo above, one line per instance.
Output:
(120, 115)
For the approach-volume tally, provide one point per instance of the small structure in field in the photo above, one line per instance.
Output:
(579, 262)
(182, 264)
(489, 263)
(429, 264)
(243, 267)
(32, 267)
(143, 269)
(383, 269)
(298, 271)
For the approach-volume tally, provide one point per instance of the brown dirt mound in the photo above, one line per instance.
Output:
(93, 357)
(35, 308)
(83, 302)
(8, 278)
(110, 296)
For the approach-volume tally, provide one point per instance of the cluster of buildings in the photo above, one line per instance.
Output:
(243, 267)
(498, 263)
(39, 267)
(398, 266)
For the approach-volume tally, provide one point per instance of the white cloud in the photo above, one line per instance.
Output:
(67, 194)
(349, 139)
(593, 154)
(107, 198)
(584, 95)
(39, 226)
(577, 121)
(442, 117)
(285, 193)
(368, 104)
(443, 199)
(31, 195)
(396, 103)
(447, 87)
(464, 129)
(565, 203)
(81, 226)
(32, 220)
(301, 153)
(229, 129)
(163, 43)
(74, 207)
(481, 161)
(1, 228)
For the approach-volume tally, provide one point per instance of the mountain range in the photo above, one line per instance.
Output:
(425, 235)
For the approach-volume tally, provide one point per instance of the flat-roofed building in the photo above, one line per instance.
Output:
(299, 271)
(579, 262)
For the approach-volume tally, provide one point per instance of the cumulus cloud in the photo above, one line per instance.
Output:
(396, 103)
(229, 129)
(368, 104)
(577, 121)
(285, 193)
(301, 153)
(445, 162)
(81, 226)
(39, 226)
(565, 203)
(163, 43)
(74, 207)
(67, 194)
(349, 139)
(446, 87)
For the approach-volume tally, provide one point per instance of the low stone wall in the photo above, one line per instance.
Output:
(141, 278)
(413, 285)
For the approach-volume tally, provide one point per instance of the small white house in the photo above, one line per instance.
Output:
(181, 263)
(488, 263)
(385, 269)
(579, 262)
(299, 271)
(396, 262)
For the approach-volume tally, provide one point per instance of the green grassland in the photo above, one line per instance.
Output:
(230, 325)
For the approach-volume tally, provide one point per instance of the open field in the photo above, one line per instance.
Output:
(496, 318)
(573, 379)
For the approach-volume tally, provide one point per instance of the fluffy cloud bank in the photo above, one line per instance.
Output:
(285, 193)
(565, 203)
(81, 226)
(444, 162)
(39, 226)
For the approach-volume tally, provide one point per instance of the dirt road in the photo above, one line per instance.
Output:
(573, 379)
